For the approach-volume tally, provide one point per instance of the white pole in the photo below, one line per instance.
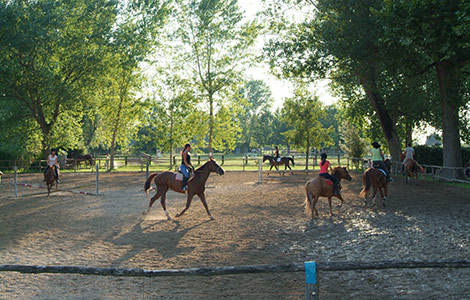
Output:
(16, 186)
(97, 181)
(260, 170)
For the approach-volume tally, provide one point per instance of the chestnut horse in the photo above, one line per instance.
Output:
(50, 178)
(196, 186)
(411, 170)
(375, 178)
(318, 187)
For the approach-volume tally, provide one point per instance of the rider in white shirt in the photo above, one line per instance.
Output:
(409, 152)
(53, 160)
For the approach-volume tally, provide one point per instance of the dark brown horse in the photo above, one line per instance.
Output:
(196, 186)
(50, 178)
(320, 187)
(411, 170)
(376, 179)
(284, 160)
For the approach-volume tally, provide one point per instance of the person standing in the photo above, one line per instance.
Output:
(186, 165)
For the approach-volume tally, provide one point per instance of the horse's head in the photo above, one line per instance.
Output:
(213, 166)
(266, 157)
(342, 172)
(388, 164)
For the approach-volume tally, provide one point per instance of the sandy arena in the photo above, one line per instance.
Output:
(255, 224)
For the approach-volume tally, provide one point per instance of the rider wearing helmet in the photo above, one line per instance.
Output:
(377, 160)
(324, 167)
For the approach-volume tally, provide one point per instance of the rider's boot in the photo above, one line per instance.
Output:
(185, 183)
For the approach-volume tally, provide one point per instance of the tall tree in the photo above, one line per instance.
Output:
(343, 38)
(218, 42)
(302, 113)
(49, 51)
(437, 35)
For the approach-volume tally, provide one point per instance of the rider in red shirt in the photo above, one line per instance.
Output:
(324, 167)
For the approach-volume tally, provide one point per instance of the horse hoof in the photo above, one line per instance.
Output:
(212, 218)
(144, 213)
(168, 218)
(177, 215)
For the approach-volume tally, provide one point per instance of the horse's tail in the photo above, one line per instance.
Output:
(308, 201)
(366, 182)
(292, 160)
(148, 182)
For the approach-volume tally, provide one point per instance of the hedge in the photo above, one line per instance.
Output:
(433, 155)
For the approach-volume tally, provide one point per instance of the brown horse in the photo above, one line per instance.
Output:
(284, 160)
(50, 178)
(411, 170)
(196, 186)
(376, 179)
(319, 187)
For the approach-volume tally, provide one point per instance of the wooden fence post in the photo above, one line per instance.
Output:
(97, 181)
(311, 281)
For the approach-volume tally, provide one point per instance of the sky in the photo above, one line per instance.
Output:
(280, 89)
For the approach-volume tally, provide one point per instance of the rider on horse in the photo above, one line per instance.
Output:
(324, 167)
(377, 160)
(276, 154)
(186, 165)
(409, 153)
(53, 160)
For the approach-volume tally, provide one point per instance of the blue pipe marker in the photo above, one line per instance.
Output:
(311, 282)
(310, 272)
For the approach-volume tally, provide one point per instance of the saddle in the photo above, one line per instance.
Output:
(378, 168)
(327, 181)
(179, 176)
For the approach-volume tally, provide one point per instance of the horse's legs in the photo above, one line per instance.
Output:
(202, 196)
(314, 208)
(152, 200)
(188, 203)
(163, 203)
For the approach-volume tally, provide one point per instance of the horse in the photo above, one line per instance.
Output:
(375, 178)
(321, 187)
(196, 186)
(411, 170)
(284, 160)
(50, 178)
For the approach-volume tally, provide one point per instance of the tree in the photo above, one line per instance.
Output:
(218, 44)
(438, 34)
(49, 53)
(352, 143)
(256, 100)
(302, 113)
(339, 38)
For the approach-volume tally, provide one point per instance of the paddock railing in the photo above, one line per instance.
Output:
(312, 270)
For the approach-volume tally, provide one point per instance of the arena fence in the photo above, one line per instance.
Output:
(311, 269)
(70, 190)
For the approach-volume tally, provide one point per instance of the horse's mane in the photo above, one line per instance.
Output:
(204, 165)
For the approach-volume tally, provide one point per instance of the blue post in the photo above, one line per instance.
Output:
(311, 281)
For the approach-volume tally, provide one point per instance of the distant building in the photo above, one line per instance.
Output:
(433, 140)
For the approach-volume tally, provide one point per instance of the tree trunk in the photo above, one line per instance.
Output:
(211, 121)
(171, 144)
(306, 156)
(451, 149)
(409, 133)
(386, 122)
(115, 130)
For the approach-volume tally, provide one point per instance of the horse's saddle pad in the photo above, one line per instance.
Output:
(329, 182)
(382, 171)
(179, 176)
